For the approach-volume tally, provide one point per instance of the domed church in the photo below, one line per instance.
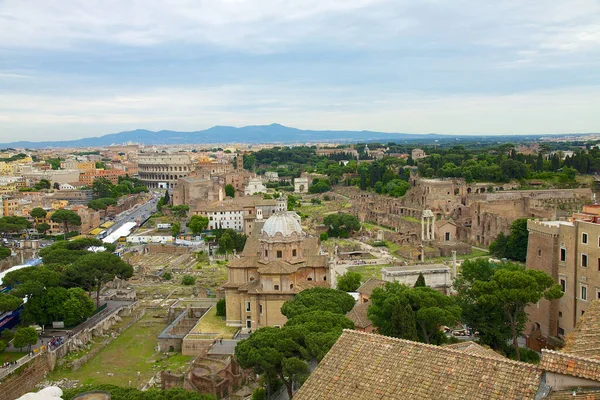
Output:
(277, 262)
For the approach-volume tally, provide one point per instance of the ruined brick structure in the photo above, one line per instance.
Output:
(478, 211)
(218, 376)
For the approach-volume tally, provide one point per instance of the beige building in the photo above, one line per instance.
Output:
(569, 251)
(277, 262)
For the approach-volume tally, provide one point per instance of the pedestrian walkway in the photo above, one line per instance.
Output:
(223, 347)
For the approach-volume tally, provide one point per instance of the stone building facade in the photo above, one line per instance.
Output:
(277, 263)
(569, 251)
(162, 170)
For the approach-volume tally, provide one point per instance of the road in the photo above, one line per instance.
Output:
(141, 212)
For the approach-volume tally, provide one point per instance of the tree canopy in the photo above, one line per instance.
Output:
(229, 190)
(25, 337)
(13, 224)
(318, 299)
(431, 309)
(198, 224)
(341, 225)
(95, 269)
(38, 213)
(512, 291)
(67, 218)
(513, 246)
(349, 282)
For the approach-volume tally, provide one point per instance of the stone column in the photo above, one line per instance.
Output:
(428, 232)
(433, 228)
(422, 228)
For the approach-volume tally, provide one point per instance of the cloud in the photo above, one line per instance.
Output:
(80, 67)
(190, 109)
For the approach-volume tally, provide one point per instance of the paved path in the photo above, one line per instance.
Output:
(225, 347)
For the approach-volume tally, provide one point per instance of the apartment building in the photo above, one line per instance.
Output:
(569, 251)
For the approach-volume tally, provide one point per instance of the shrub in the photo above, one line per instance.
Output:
(315, 201)
(324, 236)
(259, 394)
(326, 197)
(7, 335)
(167, 276)
(188, 280)
(221, 308)
(2, 345)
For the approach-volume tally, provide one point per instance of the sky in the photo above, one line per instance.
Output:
(79, 68)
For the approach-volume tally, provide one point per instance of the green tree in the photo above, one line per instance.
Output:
(42, 228)
(319, 187)
(175, 229)
(341, 225)
(38, 213)
(167, 198)
(512, 291)
(25, 337)
(3, 346)
(518, 239)
(13, 224)
(221, 308)
(77, 308)
(197, 224)
(317, 331)
(349, 282)
(420, 281)
(229, 190)
(259, 394)
(93, 270)
(4, 252)
(274, 350)
(102, 204)
(403, 321)
(318, 299)
(103, 188)
(67, 218)
(323, 237)
(431, 310)
(180, 211)
(226, 244)
(8, 302)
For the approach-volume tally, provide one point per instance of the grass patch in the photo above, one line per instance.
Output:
(211, 323)
(368, 271)
(132, 351)
(10, 356)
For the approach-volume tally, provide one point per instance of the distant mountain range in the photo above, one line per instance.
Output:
(273, 133)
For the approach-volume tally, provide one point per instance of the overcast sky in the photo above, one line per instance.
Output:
(76, 68)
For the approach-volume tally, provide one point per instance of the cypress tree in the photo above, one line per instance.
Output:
(404, 324)
(420, 281)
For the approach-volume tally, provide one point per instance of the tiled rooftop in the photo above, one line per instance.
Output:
(585, 338)
(358, 315)
(368, 287)
(568, 364)
(368, 366)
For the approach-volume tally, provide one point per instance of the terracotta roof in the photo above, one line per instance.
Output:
(358, 315)
(369, 285)
(569, 364)
(278, 267)
(368, 366)
(475, 349)
(584, 340)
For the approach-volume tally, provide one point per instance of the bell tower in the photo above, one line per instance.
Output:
(239, 162)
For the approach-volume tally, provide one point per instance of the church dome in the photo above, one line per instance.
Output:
(285, 222)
